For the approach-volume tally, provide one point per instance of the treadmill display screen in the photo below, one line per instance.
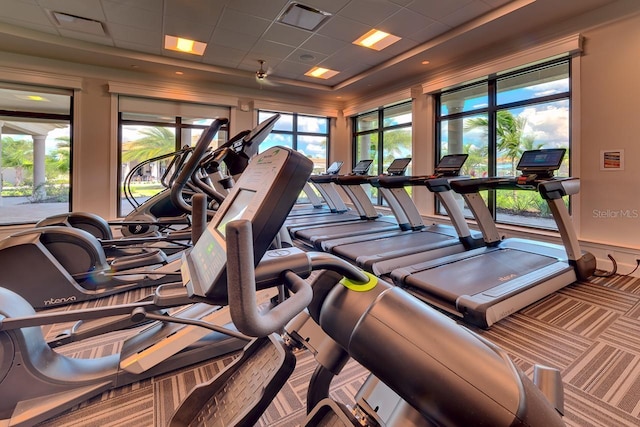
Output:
(541, 160)
(362, 167)
(334, 168)
(451, 164)
(398, 166)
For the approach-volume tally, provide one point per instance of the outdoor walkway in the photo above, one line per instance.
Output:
(20, 210)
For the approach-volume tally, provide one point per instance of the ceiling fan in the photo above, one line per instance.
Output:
(261, 74)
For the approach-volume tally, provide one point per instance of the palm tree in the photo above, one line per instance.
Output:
(511, 140)
(17, 154)
(59, 160)
(155, 142)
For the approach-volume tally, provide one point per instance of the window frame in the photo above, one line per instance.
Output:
(379, 131)
(491, 111)
(49, 117)
(177, 125)
(295, 133)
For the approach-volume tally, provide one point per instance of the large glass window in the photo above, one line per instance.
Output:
(149, 143)
(383, 144)
(35, 153)
(306, 134)
(495, 120)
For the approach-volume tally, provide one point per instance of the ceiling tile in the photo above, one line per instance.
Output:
(104, 40)
(136, 47)
(465, 14)
(348, 55)
(331, 6)
(264, 9)
(428, 33)
(128, 14)
(234, 39)
(296, 57)
(90, 9)
(271, 49)
(17, 10)
(293, 70)
(150, 5)
(179, 27)
(286, 34)
(139, 36)
(241, 22)
(404, 23)
(203, 12)
(343, 29)
(223, 55)
(323, 44)
(436, 9)
(369, 12)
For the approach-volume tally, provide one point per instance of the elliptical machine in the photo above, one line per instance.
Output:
(57, 265)
(37, 383)
(424, 367)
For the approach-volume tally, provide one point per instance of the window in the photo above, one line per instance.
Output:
(157, 135)
(306, 134)
(35, 153)
(495, 120)
(382, 136)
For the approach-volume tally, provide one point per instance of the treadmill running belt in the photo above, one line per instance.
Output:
(385, 245)
(477, 274)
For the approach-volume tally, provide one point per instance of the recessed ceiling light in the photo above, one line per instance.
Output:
(321, 73)
(376, 39)
(304, 17)
(180, 44)
(425, 62)
(179, 73)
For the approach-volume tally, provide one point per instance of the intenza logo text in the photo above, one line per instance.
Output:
(53, 301)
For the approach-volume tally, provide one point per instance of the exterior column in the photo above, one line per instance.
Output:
(39, 177)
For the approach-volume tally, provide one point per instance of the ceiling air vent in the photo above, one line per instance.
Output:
(77, 23)
(305, 17)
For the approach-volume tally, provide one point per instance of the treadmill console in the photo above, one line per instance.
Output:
(541, 163)
(362, 167)
(398, 166)
(257, 196)
(450, 165)
(334, 168)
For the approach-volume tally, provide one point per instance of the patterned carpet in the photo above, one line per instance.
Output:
(589, 330)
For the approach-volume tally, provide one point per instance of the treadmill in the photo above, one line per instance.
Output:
(380, 253)
(487, 284)
(372, 221)
(333, 203)
(328, 183)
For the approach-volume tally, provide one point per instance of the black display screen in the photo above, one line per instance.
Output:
(398, 166)
(362, 167)
(451, 163)
(543, 160)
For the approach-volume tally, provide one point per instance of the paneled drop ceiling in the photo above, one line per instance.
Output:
(128, 34)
